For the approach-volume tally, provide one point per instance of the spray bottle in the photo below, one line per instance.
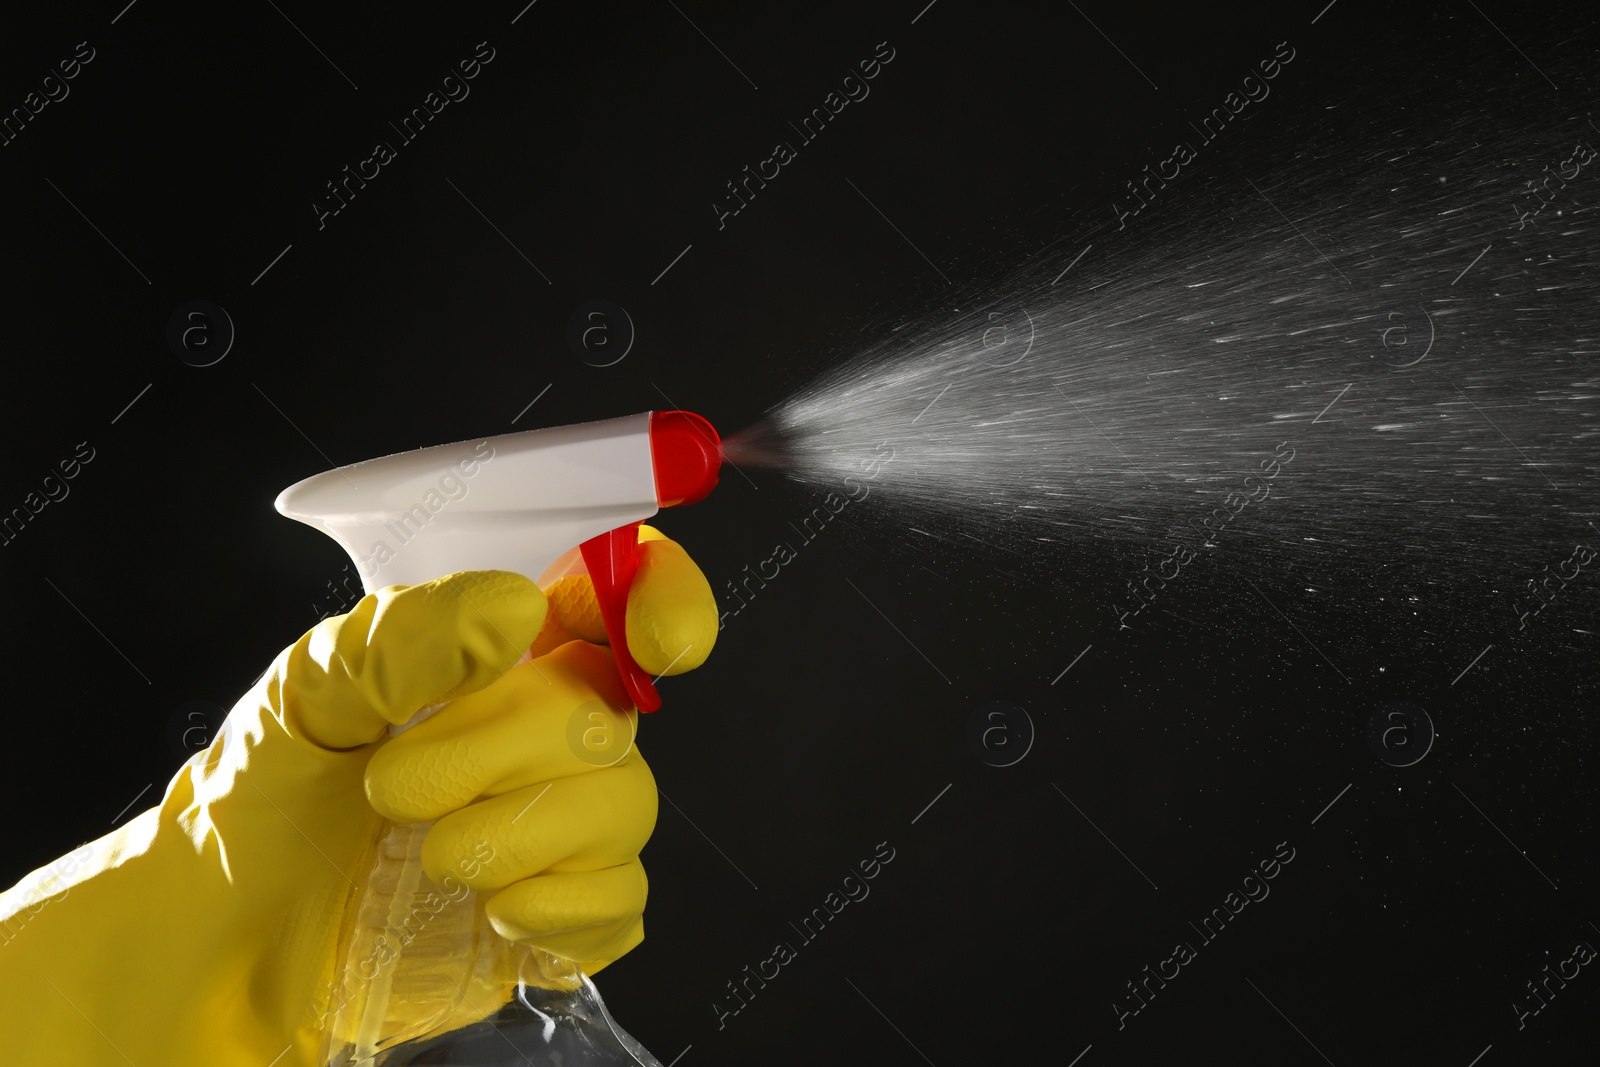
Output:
(421, 961)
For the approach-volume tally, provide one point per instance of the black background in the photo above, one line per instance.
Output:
(597, 139)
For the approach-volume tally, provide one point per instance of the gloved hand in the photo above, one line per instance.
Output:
(206, 930)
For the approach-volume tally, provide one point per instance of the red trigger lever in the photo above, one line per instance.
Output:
(686, 455)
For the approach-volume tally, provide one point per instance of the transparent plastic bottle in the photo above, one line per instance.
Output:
(541, 1026)
(425, 979)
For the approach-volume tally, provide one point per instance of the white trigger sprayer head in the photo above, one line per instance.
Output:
(518, 502)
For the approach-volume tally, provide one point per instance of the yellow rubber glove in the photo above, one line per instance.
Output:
(206, 930)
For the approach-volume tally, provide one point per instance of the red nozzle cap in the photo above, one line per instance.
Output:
(687, 455)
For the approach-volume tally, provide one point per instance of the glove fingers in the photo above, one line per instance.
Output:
(574, 610)
(573, 914)
(672, 614)
(403, 648)
(583, 823)
(541, 721)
